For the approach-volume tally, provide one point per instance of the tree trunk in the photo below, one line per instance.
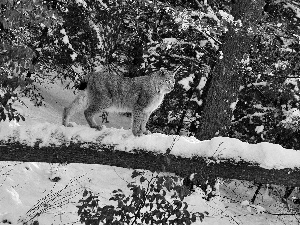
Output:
(147, 160)
(225, 83)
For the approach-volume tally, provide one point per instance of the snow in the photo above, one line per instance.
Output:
(233, 104)
(292, 119)
(63, 31)
(98, 32)
(65, 38)
(246, 58)
(73, 56)
(221, 56)
(211, 14)
(81, 3)
(281, 64)
(103, 4)
(293, 81)
(226, 16)
(26, 191)
(201, 84)
(185, 82)
(195, 99)
(295, 7)
(170, 41)
(259, 129)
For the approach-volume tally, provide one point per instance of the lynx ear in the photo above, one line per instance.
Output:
(165, 72)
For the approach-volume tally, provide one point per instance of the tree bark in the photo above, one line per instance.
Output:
(225, 82)
(142, 159)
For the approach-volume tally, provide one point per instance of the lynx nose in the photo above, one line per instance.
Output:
(170, 87)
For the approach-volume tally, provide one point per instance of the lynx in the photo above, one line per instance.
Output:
(110, 92)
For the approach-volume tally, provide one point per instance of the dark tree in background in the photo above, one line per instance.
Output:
(226, 76)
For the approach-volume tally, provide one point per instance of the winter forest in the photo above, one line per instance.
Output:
(223, 145)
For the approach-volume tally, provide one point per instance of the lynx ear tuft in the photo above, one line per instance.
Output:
(176, 70)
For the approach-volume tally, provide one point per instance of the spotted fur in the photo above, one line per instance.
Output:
(110, 92)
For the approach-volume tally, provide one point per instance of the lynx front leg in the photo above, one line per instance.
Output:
(90, 113)
(139, 121)
(144, 123)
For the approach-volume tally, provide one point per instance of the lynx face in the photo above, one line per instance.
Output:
(166, 81)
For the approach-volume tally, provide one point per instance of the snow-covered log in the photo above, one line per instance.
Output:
(219, 157)
(205, 168)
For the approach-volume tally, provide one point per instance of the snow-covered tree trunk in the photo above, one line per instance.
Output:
(147, 160)
(226, 77)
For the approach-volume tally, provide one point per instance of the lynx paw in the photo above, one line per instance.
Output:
(98, 127)
(69, 125)
(137, 133)
(147, 132)
(140, 133)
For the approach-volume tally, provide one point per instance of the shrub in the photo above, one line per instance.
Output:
(158, 200)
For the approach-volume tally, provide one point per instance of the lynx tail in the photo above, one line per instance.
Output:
(82, 85)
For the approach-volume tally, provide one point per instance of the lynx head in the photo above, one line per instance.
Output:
(164, 80)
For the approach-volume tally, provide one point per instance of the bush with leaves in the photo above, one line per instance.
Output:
(20, 25)
(158, 200)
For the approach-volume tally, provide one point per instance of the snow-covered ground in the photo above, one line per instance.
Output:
(24, 185)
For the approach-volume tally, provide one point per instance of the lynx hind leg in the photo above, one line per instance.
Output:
(79, 103)
(66, 117)
(90, 113)
(97, 103)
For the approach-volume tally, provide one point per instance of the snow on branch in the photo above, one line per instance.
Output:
(221, 156)
(203, 168)
(266, 155)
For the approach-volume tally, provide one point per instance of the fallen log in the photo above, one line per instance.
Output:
(143, 159)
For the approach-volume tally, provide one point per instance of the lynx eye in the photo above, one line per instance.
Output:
(169, 81)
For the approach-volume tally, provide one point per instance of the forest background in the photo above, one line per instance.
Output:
(238, 60)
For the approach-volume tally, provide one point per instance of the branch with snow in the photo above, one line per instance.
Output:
(219, 157)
